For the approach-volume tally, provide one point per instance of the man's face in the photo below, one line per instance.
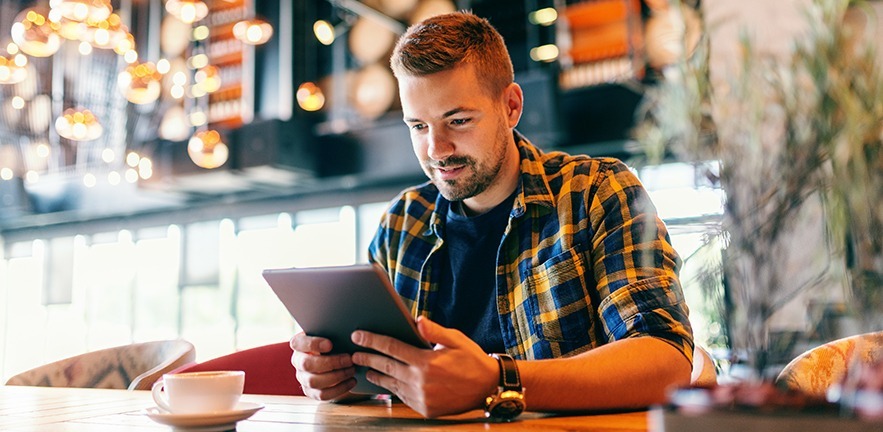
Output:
(460, 134)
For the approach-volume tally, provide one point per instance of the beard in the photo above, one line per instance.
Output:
(477, 175)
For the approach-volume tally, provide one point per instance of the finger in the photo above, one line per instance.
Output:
(434, 333)
(317, 364)
(311, 344)
(387, 382)
(389, 346)
(325, 380)
(330, 393)
(382, 364)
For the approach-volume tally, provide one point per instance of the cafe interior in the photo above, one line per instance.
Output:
(157, 155)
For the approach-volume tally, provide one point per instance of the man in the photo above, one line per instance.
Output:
(558, 261)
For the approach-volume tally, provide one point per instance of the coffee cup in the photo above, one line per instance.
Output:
(199, 392)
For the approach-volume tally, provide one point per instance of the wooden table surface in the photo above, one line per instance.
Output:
(96, 410)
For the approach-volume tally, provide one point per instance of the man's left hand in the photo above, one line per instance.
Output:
(453, 377)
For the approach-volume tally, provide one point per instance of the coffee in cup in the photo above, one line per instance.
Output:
(199, 392)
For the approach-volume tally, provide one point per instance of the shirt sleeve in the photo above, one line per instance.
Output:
(635, 264)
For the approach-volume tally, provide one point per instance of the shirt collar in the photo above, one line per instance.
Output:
(533, 188)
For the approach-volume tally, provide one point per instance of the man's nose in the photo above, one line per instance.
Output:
(440, 147)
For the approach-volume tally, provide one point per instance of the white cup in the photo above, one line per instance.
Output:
(199, 392)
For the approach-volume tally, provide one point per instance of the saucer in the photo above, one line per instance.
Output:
(213, 421)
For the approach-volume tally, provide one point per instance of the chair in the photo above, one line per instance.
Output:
(268, 369)
(817, 369)
(135, 367)
(704, 373)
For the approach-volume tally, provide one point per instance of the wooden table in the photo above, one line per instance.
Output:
(95, 410)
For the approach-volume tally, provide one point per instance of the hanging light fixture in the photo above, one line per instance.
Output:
(78, 125)
(324, 32)
(106, 34)
(310, 97)
(188, 11)
(34, 34)
(253, 32)
(207, 150)
(140, 83)
(207, 79)
(11, 72)
(70, 30)
(125, 45)
(82, 10)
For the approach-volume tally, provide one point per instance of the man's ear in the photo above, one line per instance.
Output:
(513, 97)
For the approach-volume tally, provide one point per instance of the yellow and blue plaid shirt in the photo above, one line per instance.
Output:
(584, 260)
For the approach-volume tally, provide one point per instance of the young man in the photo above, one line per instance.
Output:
(558, 261)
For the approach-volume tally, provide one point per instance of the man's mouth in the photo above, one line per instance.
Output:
(448, 172)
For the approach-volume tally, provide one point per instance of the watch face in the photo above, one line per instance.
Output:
(508, 409)
(506, 406)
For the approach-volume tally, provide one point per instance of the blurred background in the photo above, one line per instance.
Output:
(156, 155)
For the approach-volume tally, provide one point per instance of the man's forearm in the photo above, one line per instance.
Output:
(628, 373)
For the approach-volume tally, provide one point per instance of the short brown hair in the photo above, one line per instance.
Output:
(445, 41)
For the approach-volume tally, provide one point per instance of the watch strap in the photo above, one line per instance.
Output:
(509, 377)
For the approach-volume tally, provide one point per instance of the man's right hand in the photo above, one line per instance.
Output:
(323, 377)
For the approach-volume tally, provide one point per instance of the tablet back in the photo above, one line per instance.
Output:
(332, 302)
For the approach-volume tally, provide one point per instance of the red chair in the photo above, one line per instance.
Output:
(268, 369)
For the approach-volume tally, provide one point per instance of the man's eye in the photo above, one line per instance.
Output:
(460, 122)
(419, 126)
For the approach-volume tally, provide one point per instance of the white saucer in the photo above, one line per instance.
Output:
(214, 421)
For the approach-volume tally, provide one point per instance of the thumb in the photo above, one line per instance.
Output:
(435, 333)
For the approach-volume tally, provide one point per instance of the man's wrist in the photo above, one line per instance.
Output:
(507, 401)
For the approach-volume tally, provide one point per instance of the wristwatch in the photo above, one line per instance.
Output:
(508, 401)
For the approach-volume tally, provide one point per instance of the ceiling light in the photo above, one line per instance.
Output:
(207, 150)
(310, 97)
(324, 32)
(82, 10)
(78, 125)
(34, 34)
(125, 45)
(253, 32)
(544, 53)
(208, 78)
(10, 72)
(544, 17)
(108, 34)
(140, 83)
(188, 11)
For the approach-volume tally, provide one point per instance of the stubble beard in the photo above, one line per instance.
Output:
(477, 179)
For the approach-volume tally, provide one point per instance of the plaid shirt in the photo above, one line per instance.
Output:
(584, 259)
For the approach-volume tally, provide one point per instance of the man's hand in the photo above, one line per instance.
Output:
(453, 377)
(323, 377)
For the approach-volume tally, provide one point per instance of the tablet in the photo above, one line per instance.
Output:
(332, 302)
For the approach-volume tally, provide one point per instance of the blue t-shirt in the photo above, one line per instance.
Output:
(468, 287)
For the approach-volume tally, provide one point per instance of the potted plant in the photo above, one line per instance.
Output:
(788, 135)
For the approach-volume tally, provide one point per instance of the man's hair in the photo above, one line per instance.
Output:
(444, 42)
